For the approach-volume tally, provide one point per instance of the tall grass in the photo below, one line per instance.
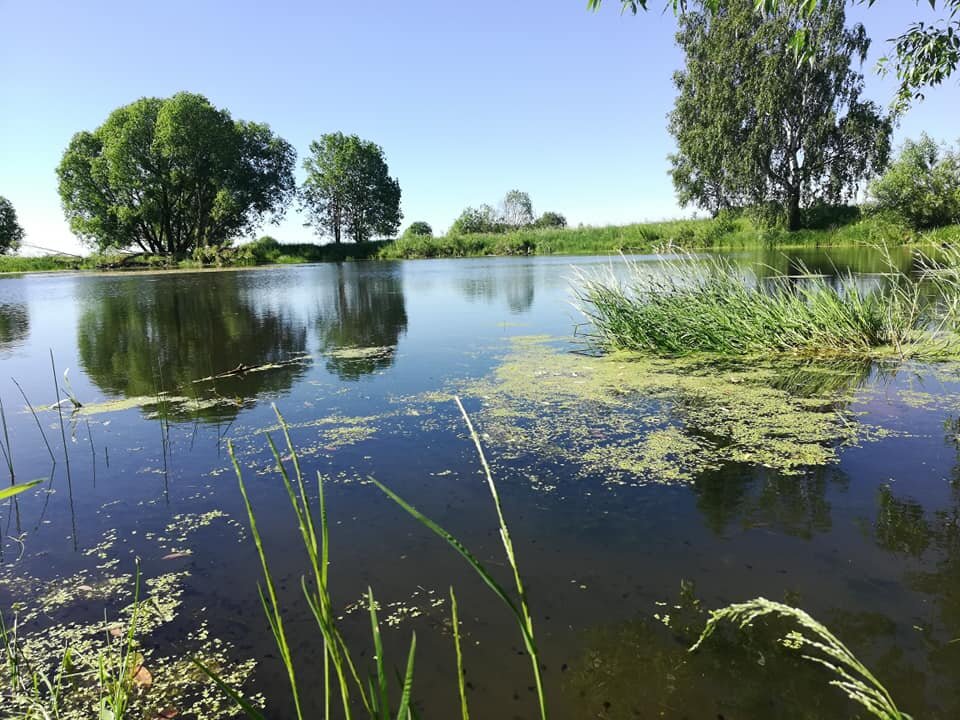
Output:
(341, 677)
(691, 305)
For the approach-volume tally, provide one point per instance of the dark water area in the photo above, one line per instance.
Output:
(361, 359)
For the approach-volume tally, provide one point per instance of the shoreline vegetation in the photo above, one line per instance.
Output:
(721, 233)
(713, 308)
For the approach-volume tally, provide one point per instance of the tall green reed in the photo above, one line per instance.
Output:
(373, 698)
(692, 304)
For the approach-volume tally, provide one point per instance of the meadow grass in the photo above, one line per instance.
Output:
(708, 305)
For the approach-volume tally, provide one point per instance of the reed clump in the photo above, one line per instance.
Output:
(708, 305)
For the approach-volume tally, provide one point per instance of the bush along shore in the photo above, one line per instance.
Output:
(721, 233)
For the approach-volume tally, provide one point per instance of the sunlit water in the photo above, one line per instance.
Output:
(870, 545)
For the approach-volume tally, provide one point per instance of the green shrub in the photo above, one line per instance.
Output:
(551, 220)
(419, 229)
(478, 220)
(922, 186)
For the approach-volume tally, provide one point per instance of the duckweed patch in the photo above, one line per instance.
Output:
(636, 419)
(78, 625)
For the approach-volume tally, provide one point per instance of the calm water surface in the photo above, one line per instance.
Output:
(870, 545)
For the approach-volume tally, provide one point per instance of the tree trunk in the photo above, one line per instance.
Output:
(793, 210)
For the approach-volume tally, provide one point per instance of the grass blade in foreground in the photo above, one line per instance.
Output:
(17, 489)
(464, 712)
(852, 676)
(521, 614)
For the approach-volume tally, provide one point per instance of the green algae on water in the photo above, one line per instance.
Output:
(638, 419)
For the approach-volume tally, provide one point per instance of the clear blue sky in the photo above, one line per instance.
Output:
(469, 100)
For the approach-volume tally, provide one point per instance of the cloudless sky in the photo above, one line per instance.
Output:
(468, 99)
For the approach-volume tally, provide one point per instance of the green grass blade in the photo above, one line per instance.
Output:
(461, 677)
(403, 713)
(17, 489)
(248, 709)
(383, 701)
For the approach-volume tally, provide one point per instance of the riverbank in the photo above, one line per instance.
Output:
(653, 237)
(717, 234)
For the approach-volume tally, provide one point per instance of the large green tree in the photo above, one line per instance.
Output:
(348, 190)
(171, 175)
(11, 234)
(924, 54)
(754, 127)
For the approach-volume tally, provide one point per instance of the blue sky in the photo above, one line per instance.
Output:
(468, 100)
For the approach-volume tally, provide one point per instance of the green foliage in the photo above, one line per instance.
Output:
(473, 221)
(922, 186)
(708, 306)
(729, 230)
(419, 229)
(171, 175)
(551, 219)
(516, 213)
(755, 128)
(11, 234)
(349, 190)
(924, 54)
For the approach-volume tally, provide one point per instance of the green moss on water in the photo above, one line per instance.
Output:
(639, 419)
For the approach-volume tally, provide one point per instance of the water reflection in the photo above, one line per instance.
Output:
(360, 318)
(14, 324)
(138, 336)
(515, 285)
(746, 497)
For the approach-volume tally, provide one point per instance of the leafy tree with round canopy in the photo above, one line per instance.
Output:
(483, 219)
(11, 234)
(349, 190)
(754, 127)
(419, 229)
(169, 175)
(924, 54)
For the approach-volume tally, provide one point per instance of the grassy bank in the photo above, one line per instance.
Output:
(720, 233)
(265, 251)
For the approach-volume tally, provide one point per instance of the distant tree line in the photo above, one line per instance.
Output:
(515, 213)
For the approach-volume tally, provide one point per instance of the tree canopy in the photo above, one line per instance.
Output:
(922, 186)
(754, 128)
(924, 55)
(419, 229)
(349, 189)
(517, 210)
(11, 234)
(168, 175)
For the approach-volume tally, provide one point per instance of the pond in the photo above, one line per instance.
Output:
(639, 493)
